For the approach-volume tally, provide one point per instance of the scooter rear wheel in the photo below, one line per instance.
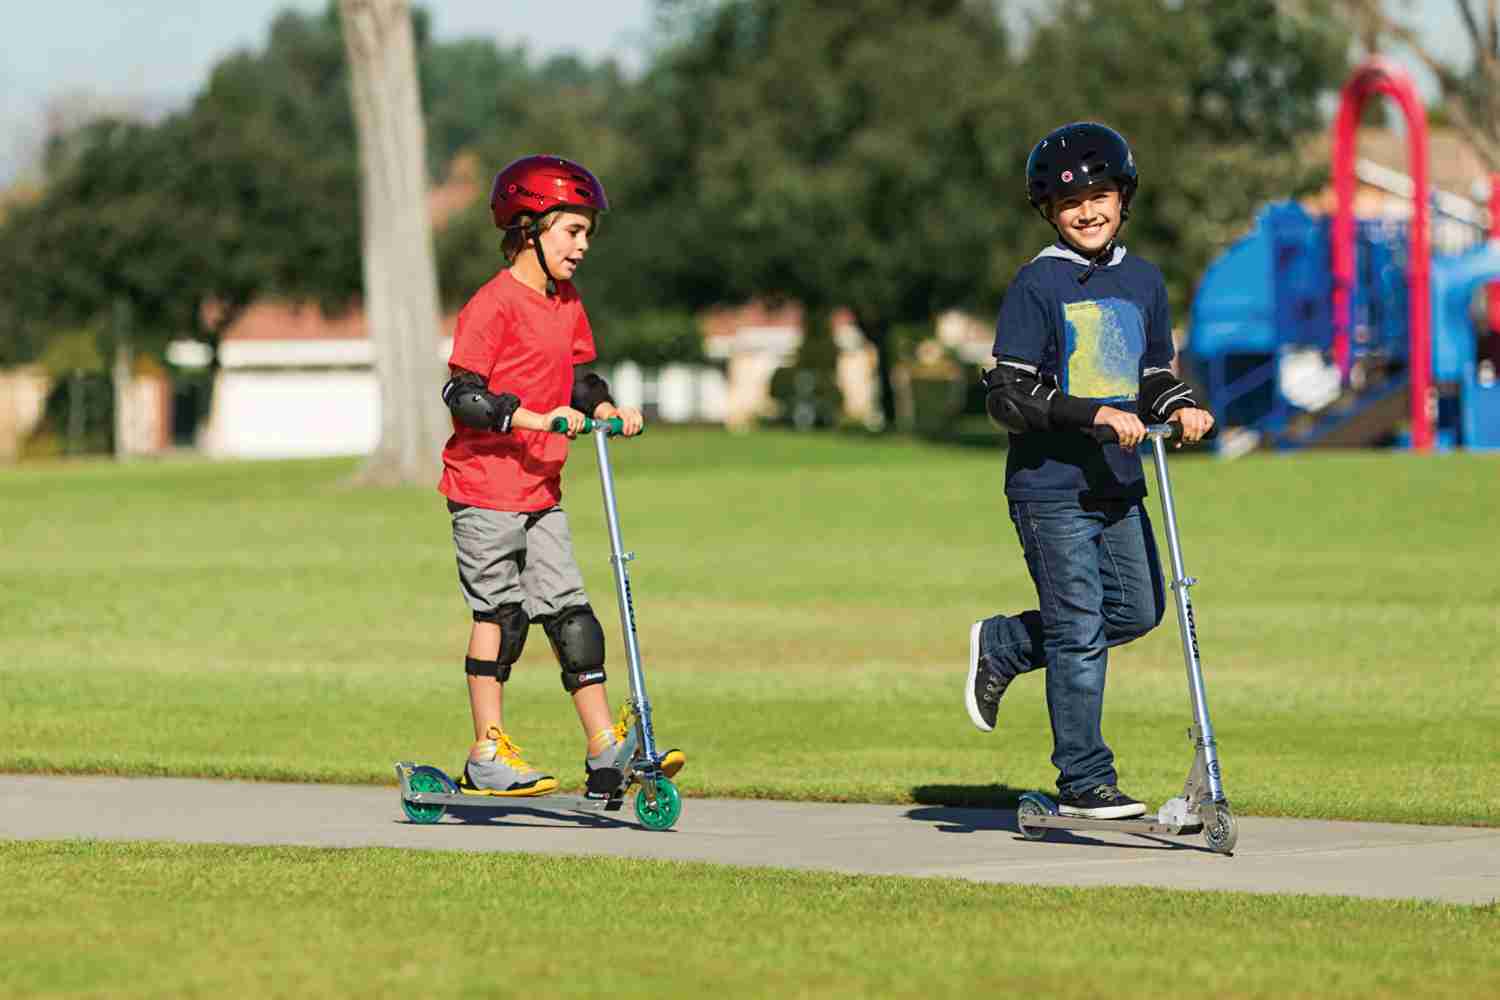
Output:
(1219, 828)
(1028, 809)
(427, 779)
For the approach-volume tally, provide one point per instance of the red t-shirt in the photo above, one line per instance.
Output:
(524, 343)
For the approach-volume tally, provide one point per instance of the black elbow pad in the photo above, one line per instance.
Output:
(1018, 399)
(589, 390)
(1163, 394)
(473, 405)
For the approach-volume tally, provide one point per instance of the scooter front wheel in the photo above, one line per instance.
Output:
(661, 811)
(1219, 828)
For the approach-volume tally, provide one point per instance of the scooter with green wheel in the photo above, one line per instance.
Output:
(428, 792)
(1202, 807)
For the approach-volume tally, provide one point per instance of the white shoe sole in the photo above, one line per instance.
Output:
(969, 702)
(1108, 812)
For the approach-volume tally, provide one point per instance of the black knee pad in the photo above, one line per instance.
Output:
(487, 668)
(514, 624)
(578, 641)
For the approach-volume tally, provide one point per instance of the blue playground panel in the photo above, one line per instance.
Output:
(1270, 294)
(1480, 422)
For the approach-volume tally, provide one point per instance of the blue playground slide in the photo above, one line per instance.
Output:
(1261, 329)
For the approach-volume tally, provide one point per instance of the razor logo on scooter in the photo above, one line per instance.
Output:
(1192, 627)
(629, 606)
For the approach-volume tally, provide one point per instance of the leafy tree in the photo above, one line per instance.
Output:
(838, 154)
(250, 191)
(1214, 97)
(471, 89)
(652, 339)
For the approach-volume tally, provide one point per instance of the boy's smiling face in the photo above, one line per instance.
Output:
(566, 241)
(1090, 219)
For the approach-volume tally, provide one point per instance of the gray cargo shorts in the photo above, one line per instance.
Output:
(509, 557)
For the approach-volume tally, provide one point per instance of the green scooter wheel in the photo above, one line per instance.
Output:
(661, 814)
(427, 779)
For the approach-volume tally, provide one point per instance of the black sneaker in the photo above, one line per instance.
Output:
(984, 688)
(1100, 802)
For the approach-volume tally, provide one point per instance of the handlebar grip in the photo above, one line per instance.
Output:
(612, 426)
(1170, 432)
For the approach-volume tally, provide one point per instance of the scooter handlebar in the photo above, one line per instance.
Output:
(612, 427)
(1170, 432)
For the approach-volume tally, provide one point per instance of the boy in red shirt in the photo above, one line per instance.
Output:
(515, 368)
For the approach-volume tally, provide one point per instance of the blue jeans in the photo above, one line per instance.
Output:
(1098, 584)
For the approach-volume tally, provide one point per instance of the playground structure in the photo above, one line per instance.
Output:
(1315, 330)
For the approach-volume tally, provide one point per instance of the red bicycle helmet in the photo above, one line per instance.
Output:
(535, 185)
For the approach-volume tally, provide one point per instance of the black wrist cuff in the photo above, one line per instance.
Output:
(506, 406)
(1070, 411)
(589, 390)
(1163, 394)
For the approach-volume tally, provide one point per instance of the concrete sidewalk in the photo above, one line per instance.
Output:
(1377, 860)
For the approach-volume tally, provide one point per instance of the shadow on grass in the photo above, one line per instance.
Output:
(994, 796)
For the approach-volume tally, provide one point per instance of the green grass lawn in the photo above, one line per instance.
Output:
(804, 603)
(150, 920)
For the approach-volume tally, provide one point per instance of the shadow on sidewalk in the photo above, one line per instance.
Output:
(536, 816)
(992, 808)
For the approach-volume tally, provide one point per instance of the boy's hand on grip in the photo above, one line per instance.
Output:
(629, 416)
(1127, 426)
(573, 418)
(1195, 423)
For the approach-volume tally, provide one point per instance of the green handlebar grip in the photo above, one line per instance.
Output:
(612, 426)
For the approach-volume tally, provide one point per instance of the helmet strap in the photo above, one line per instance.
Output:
(534, 231)
(1104, 254)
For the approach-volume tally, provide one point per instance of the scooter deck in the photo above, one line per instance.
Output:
(549, 801)
(1133, 824)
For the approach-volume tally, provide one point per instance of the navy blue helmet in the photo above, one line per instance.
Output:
(1074, 158)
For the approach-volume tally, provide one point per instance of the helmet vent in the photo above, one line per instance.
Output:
(585, 194)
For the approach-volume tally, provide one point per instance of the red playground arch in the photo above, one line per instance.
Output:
(1380, 76)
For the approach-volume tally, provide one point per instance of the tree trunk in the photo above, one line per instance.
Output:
(400, 273)
(120, 377)
(878, 333)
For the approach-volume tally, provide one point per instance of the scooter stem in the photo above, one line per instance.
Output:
(1187, 626)
(618, 557)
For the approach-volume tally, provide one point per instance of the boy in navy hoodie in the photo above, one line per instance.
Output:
(1084, 338)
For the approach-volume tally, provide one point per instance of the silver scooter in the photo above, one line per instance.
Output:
(427, 792)
(1202, 807)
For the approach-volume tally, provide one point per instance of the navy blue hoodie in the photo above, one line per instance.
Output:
(1097, 338)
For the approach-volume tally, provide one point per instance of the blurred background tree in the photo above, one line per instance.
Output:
(862, 155)
(1215, 98)
(836, 154)
(250, 191)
